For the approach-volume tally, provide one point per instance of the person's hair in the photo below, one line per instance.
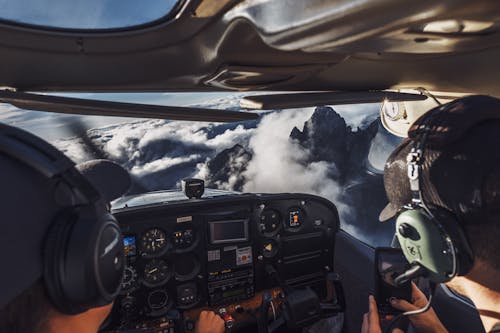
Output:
(27, 313)
(483, 232)
(484, 239)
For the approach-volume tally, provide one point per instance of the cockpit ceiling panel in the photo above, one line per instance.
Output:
(371, 26)
(449, 46)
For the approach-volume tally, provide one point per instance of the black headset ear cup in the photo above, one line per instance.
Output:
(83, 260)
(110, 258)
(54, 250)
(83, 249)
(94, 260)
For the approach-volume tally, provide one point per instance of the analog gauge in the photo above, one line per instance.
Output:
(154, 242)
(129, 278)
(183, 239)
(156, 272)
(187, 295)
(394, 110)
(270, 221)
(158, 299)
(186, 266)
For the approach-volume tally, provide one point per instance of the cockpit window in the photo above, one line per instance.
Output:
(336, 152)
(380, 148)
(85, 14)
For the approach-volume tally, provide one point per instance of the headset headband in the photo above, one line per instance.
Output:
(414, 161)
(414, 165)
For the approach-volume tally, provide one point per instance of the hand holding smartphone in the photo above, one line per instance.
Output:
(390, 263)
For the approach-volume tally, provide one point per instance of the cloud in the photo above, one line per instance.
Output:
(279, 164)
(162, 164)
(161, 152)
(158, 148)
(358, 115)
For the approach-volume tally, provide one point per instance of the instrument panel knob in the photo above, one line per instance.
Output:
(228, 319)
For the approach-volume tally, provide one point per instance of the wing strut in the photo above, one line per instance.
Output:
(304, 100)
(79, 106)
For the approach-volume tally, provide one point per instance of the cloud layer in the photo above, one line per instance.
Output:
(259, 155)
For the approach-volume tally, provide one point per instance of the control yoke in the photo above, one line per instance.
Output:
(301, 307)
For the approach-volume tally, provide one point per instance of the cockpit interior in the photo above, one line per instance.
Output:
(264, 262)
(243, 256)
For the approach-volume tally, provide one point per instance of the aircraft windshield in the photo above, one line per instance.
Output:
(85, 14)
(336, 152)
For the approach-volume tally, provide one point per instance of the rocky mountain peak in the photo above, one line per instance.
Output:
(226, 168)
(328, 138)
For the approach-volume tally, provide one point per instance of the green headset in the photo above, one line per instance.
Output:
(430, 236)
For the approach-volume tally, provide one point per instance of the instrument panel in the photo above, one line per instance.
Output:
(218, 253)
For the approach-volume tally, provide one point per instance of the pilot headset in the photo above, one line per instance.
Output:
(83, 250)
(432, 236)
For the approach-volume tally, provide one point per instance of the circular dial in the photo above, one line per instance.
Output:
(393, 110)
(187, 295)
(156, 272)
(183, 239)
(186, 266)
(154, 241)
(270, 221)
(129, 278)
(158, 299)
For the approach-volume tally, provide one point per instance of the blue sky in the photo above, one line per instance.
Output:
(85, 14)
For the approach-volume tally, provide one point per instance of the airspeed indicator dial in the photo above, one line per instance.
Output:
(154, 242)
(156, 273)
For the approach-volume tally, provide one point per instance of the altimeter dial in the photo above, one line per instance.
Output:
(154, 242)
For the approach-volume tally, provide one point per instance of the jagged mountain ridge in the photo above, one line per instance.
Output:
(332, 154)
(325, 136)
(328, 138)
(226, 170)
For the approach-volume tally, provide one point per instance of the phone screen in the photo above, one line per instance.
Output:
(390, 263)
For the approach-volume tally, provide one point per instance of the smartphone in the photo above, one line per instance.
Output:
(390, 263)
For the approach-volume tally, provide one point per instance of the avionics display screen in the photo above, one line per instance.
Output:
(228, 231)
(129, 246)
(232, 293)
